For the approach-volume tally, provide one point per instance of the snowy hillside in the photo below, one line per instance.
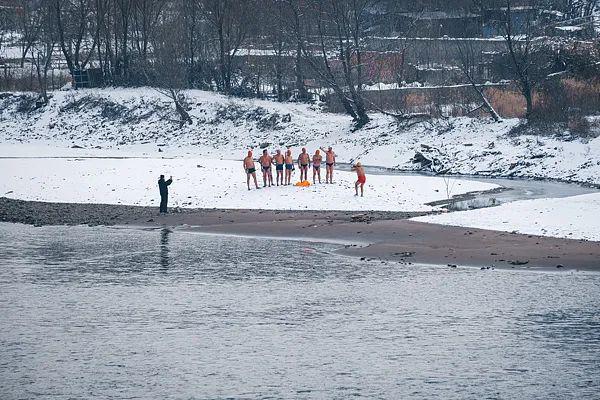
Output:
(143, 122)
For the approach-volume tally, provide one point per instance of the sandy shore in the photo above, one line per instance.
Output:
(378, 235)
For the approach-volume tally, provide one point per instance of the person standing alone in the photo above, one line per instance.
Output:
(163, 187)
(361, 178)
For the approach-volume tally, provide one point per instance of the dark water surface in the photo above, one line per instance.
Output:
(97, 313)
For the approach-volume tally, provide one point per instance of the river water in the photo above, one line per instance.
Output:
(98, 313)
(514, 189)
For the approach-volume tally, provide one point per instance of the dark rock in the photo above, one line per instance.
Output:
(405, 254)
(518, 262)
(419, 158)
(360, 218)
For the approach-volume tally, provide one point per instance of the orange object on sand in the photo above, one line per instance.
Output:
(302, 184)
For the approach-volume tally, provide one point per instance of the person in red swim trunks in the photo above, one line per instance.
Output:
(362, 178)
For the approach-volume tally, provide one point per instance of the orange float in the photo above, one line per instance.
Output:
(302, 184)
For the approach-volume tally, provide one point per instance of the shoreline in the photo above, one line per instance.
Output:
(370, 235)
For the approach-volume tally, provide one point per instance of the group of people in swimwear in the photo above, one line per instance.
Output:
(285, 163)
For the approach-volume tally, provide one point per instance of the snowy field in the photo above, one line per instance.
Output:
(571, 217)
(210, 183)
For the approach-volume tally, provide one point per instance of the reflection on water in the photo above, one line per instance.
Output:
(164, 247)
(108, 313)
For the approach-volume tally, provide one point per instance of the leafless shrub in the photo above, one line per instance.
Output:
(583, 94)
(263, 119)
(27, 103)
(579, 126)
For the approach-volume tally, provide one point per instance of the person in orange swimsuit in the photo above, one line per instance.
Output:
(362, 178)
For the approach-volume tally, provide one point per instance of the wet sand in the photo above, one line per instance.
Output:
(373, 235)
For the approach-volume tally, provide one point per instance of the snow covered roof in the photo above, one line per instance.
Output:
(518, 8)
(569, 28)
(437, 15)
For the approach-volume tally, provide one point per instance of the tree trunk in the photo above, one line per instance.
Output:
(528, 100)
(183, 114)
(300, 88)
(38, 71)
(225, 84)
(61, 37)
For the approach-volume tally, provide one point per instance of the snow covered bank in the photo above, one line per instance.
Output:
(142, 121)
(209, 183)
(571, 217)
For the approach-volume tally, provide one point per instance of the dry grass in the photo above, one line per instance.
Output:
(509, 103)
(584, 95)
(416, 101)
(556, 101)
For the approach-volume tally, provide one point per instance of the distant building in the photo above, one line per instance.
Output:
(521, 19)
(11, 5)
(434, 24)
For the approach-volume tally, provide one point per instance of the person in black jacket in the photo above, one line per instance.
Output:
(164, 192)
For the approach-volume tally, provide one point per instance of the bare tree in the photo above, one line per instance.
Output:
(75, 25)
(274, 18)
(340, 30)
(167, 69)
(100, 13)
(348, 21)
(192, 35)
(295, 29)
(520, 50)
(30, 25)
(146, 14)
(228, 19)
(43, 48)
(468, 66)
